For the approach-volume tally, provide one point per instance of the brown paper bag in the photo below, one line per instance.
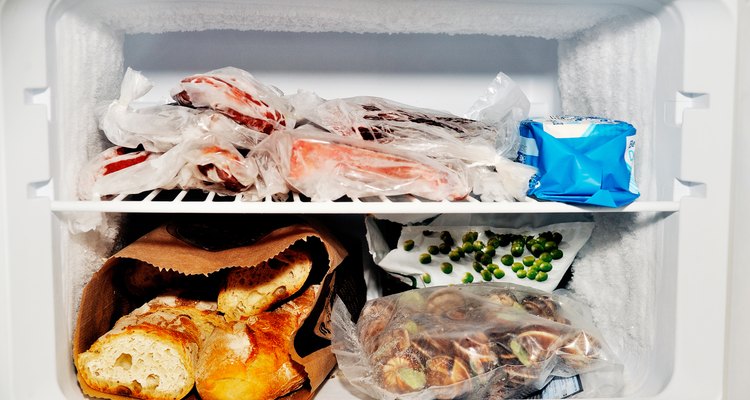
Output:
(104, 301)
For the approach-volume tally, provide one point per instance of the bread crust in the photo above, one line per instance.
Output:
(251, 360)
(251, 291)
(152, 352)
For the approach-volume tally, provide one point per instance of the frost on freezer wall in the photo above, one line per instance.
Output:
(628, 47)
(89, 59)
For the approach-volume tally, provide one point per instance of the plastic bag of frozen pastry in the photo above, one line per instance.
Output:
(238, 95)
(326, 167)
(484, 341)
(161, 127)
(207, 163)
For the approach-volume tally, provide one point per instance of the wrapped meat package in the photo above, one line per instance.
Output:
(161, 127)
(204, 163)
(483, 341)
(238, 95)
(325, 167)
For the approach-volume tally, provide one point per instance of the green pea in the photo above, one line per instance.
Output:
(460, 251)
(546, 257)
(506, 259)
(521, 274)
(517, 266)
(530, 243)
(557, 237)
(478, 255)
(467, 247)
(477, 266)
(444, 248)
(468, 278)
(446, 237)
(446, 267)
(470, 237)
(541, 276)
(516, 251)
(486, 259)
(549, 246)
(498, 273)
(433, 250)
(537, 262)
(492, 267)
(426, 278)
(531, 274)
(489, 250)
(478, 245)
(486, 275)
(454, 256)
(556, 254)
(425, 258)
(545, 267)
(408, 245)
(537, 249)
(528, 260)
(494, 242)
(503, 241)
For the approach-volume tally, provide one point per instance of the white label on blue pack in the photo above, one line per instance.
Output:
(567, 127)
(630, 161)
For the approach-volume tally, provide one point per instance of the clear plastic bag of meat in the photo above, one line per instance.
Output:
(479, 341)
(161, 127)
(206, 163)
(238, 95)
(326, 167)
(437, 134)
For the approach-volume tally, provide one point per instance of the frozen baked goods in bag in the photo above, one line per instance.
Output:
(251, 359)
(151, 353)
(250, 291)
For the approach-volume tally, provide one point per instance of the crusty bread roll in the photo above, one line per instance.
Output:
(152, 352)
(250, 359)
(250, 291)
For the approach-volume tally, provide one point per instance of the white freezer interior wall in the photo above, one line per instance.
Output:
(90, 43)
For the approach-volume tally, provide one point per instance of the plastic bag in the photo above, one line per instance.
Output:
(406, 264)
(159, 128)
(238, 95)
(207, 163)
(505, 106)
(326, 167)
(487, 341)
(586, 160)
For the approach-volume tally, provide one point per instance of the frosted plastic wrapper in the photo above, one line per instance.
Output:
(206, 163)
(406, 264)
(487, 341)
(161, 127)
(238, 95)
(325, 167)
(584, 160)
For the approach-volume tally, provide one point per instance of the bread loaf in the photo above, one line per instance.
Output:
(250, 291)
(152, 352)
(250, 359)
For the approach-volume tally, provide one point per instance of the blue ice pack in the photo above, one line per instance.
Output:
(585, 160)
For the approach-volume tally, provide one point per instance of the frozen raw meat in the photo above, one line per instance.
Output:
(238, 95)
(325, 167)
(161, 127)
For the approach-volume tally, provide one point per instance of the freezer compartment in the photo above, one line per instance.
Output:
(644, 274)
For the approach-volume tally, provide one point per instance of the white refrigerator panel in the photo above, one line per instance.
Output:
(667, 66)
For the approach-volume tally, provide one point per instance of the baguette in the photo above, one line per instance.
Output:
(250, 360)
(250, 291)
(152, 352)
